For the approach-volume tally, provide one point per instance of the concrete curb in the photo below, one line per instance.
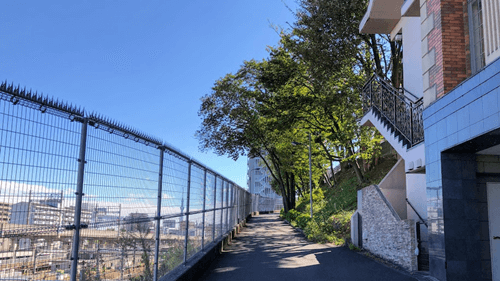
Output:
(419, 275)
(298, 229)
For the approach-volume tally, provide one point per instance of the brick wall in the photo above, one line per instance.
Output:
(436, 43)
(443, 47)
(384, 233)
(453, 37)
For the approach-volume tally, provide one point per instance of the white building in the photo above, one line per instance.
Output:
(259, 183)
(259, 179)
(33, 213)
(451, 67)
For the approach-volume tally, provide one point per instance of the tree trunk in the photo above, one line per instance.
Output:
(301, 187)
(292, 189)
(376, 55)
(331, 159)
(333, 173)
(286, 208)
(355, 166)
(327, 180)
(396, 57)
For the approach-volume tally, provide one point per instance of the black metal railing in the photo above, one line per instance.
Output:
(400, 108)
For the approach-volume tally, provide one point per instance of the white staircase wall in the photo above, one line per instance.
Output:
(416, 194)
(393, 186)
(412, 59)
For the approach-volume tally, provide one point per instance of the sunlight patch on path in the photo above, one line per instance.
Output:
(298, 261)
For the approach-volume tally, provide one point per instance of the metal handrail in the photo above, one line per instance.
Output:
(396, 106)
(420, 217)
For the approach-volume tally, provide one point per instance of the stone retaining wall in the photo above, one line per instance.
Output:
(383, 232)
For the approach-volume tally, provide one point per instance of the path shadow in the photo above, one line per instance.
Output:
(269, 249)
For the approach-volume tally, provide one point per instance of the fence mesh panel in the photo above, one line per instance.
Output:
(38, 167)
(135, 207)
(209, 207)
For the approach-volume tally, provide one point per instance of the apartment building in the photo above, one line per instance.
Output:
(68, 215)
(4, 212)
(259, 183)
(33, 213)
(451, 171)
(259, 179)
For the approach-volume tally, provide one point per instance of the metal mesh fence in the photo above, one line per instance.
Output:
(85, 198)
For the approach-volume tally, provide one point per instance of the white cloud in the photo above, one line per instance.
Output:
(14, 192)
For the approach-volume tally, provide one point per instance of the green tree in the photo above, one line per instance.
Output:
(328, 109)
(233, 124)
(326, 36)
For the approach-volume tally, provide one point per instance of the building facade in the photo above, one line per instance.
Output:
(452, 70)
(33, 213)
(259, 179)
(259, 183)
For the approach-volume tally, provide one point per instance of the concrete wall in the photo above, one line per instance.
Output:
(416, 194)
(384, 233)
(412, 59)
(393, 186)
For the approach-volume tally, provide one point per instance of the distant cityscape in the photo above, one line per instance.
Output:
(34, 238)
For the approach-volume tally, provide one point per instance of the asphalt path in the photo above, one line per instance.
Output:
(270, 249)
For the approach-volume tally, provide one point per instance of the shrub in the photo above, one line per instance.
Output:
(335, 228)
(290, 216)
(303, 203)
(303, 220)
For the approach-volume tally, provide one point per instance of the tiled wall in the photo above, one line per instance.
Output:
(469, 111)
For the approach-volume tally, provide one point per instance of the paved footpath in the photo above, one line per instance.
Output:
(270, 249)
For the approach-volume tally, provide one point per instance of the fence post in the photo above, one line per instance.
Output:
(233, 206)
(186, 239)
(238, 205)
(222, 209)
(215, 206)
(158, 215)
(227, 206)
(78, 203)
(204, 207)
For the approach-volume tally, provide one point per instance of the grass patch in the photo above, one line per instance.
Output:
(333, 207)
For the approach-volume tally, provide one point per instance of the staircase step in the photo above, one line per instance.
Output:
(389, 127)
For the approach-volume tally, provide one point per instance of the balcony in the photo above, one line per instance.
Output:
(381, 16)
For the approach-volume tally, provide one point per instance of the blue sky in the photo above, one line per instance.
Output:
(144, 65)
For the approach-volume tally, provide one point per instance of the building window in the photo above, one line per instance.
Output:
(476, 35)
